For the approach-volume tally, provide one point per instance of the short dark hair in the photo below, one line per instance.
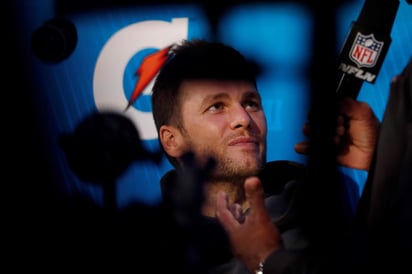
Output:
(195, 59)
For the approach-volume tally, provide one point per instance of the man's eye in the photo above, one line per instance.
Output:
(215, 107)
(253, 105)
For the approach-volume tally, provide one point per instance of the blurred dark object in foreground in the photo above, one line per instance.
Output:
(103, 146)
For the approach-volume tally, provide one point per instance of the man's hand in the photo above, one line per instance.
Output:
(252, 235)
(356, 135)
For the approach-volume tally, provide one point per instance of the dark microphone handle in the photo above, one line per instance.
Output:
(348, 86)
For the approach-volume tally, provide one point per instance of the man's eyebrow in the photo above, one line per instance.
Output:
(217, 96)
(253, 94)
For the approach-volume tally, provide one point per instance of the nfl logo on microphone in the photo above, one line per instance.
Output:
(365, 50)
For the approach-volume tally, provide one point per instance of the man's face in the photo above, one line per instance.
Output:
(225, 121)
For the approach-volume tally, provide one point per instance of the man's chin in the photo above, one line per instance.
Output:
(249, 168)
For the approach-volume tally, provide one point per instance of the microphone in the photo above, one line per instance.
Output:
(365, 47)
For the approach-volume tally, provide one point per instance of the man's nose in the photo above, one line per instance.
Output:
(239, 117)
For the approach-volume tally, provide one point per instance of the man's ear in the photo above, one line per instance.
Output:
(171, 140)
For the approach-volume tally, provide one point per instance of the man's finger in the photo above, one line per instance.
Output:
(223, 213)
(255, 195)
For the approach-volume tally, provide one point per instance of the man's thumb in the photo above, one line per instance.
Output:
(254, 192)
